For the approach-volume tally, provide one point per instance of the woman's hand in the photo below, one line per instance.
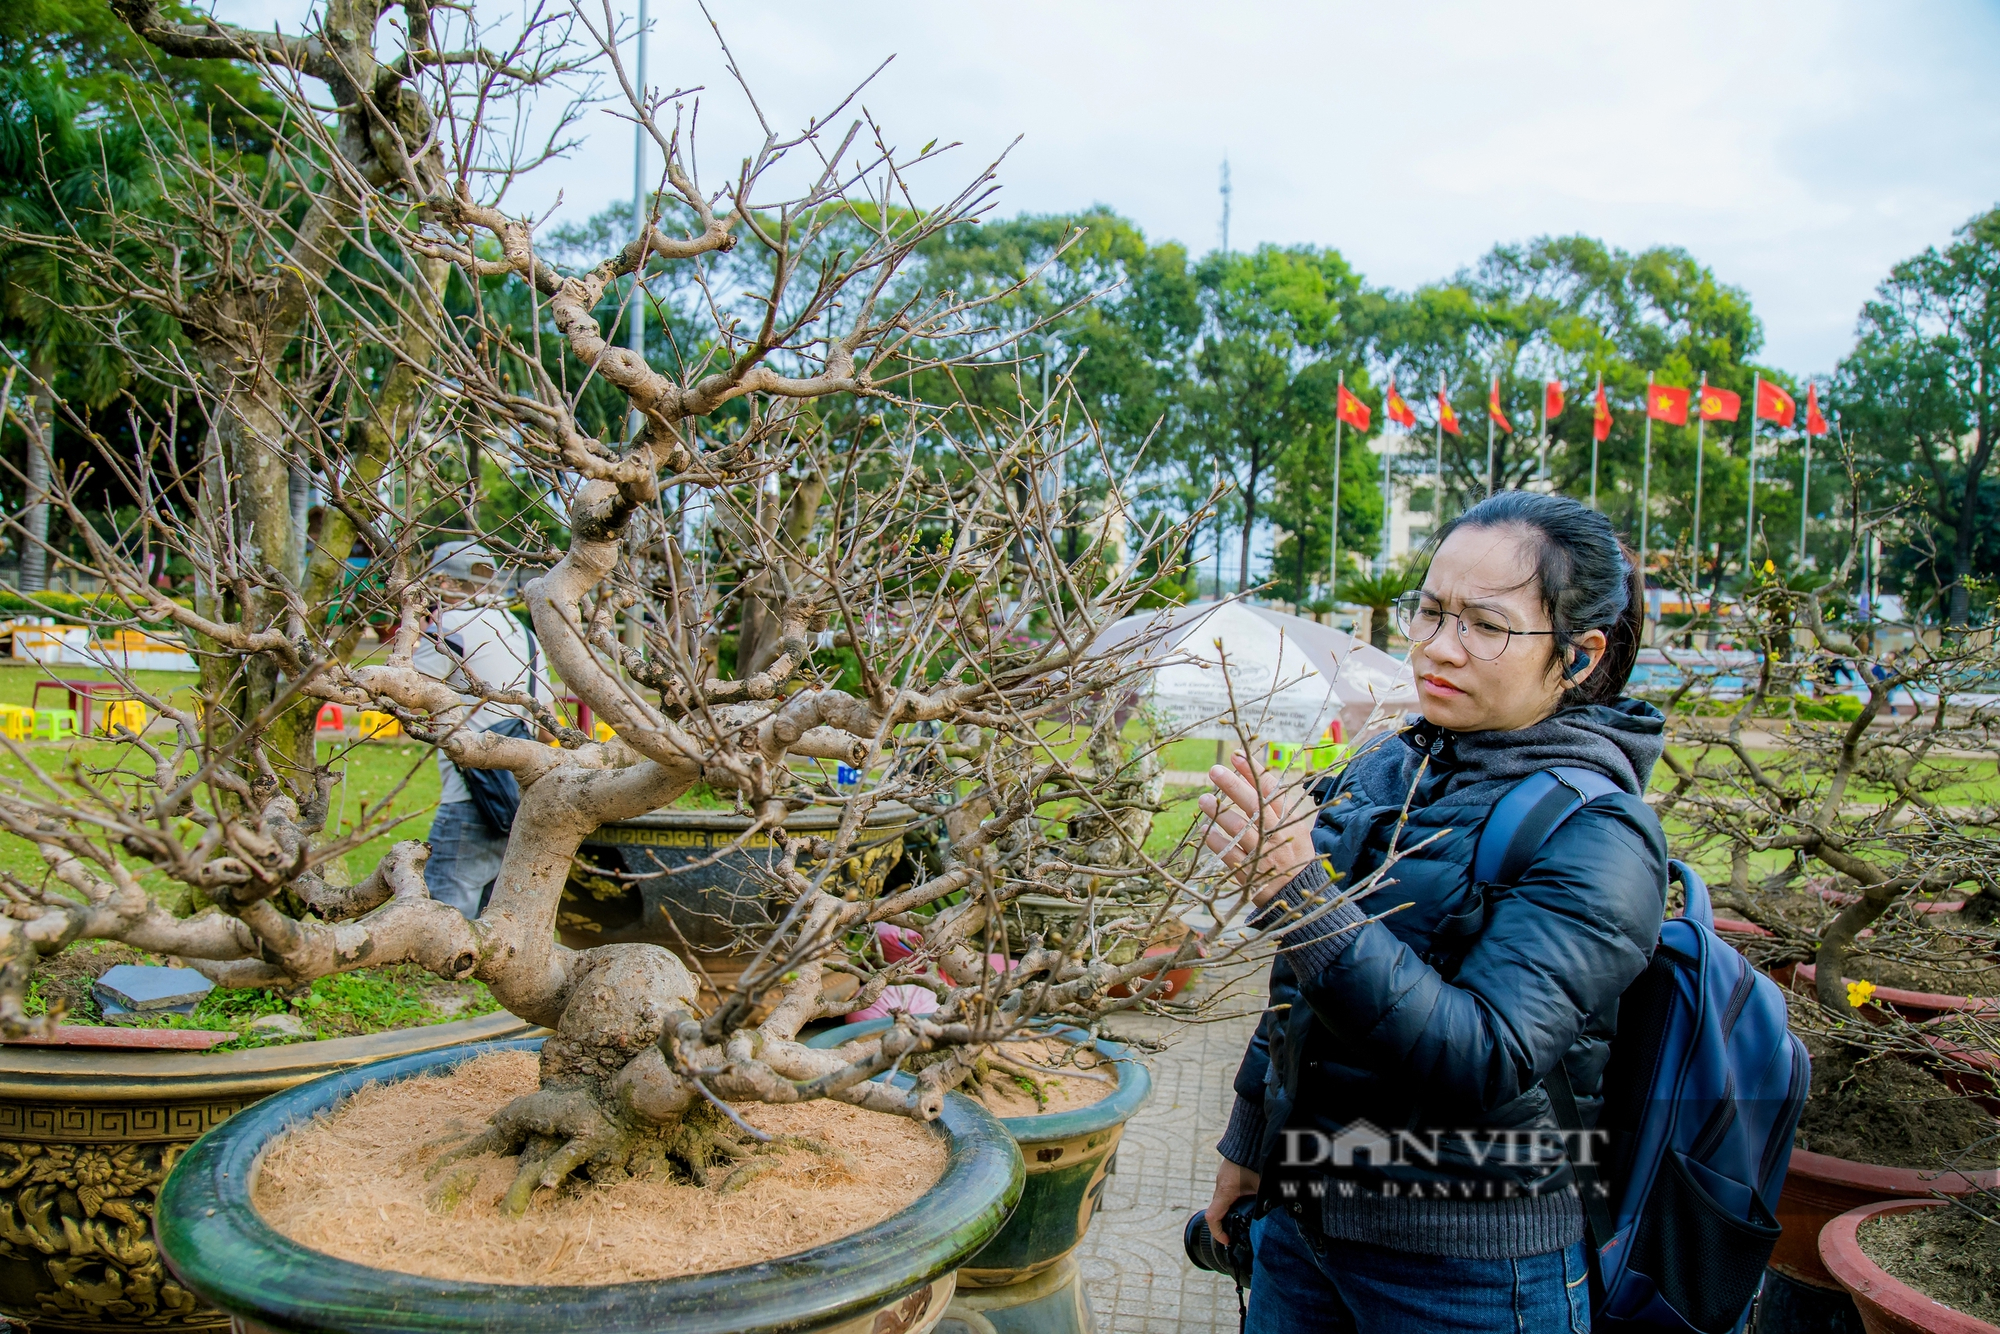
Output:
(1260, 826)
(1232, 1183)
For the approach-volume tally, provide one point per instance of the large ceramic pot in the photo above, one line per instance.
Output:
(893, 1278)
(1888, 1305)
(628, 885)
(86, 1138)
(1818, 1189)
(1026, 1280)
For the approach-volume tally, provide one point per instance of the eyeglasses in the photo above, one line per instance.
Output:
(1485, 631)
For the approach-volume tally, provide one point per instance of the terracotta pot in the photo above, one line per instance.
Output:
(893, 1278)
(1913, 1005)
(1819, 1188)
(1177, 979)
(76, 1260)
(1888, 1305)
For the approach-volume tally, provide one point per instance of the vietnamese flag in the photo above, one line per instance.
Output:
(1815, 422)
(1774, 404)
(1719, 405)
(1552, 399)
(1600, 415)
(1493, 406)
(1446, 417)
(1664, 403)
(1351, 410)
(1399, 411)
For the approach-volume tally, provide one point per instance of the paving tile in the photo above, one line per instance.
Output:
(1139, 1279)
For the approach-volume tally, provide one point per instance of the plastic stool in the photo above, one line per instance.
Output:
(54, 724)
(378, 726)
(331, 719)
(129, 713)
(17, 722)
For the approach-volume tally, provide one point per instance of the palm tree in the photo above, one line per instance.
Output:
(1377, 592)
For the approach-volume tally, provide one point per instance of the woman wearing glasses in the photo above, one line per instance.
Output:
(1391, 1114)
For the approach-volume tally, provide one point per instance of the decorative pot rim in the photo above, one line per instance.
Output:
(1135, 1085)
(1903, 1182)
(887, 814)
(35, 1073)
(214, 1239)
(1841, 1252)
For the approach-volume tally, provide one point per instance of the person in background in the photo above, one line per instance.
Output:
(473, 627)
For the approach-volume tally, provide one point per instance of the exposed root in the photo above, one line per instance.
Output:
(558, 1133)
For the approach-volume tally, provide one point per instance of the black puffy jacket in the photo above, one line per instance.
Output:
(1440, 1020)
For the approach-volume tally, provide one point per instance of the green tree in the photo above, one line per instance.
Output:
(1918, 392)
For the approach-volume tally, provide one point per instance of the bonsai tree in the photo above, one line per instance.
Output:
(360, 317)
(1798, 787)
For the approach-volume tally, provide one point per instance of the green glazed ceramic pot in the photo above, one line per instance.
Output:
(1025, 1281)
(893, 1278)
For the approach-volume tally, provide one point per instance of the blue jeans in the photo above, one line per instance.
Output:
(1311, 1285)
(465, 857)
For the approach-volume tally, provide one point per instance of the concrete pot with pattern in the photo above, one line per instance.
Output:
(675, 878)
(1026, 1279)
(892, 1278)
(88, 1135)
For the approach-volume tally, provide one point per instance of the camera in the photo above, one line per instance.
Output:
(1204, 1251)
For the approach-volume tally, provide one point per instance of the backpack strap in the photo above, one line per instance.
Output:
(1522, 820)
(1598, 1224)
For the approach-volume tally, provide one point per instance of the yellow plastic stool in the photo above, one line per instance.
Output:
(130, 713)
(17, 722)
(55, 724)
(378, 726)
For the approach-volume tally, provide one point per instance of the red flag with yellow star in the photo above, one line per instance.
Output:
(1600, 415)
(1351, 410)
(1399, 411)
(1493, 406)
(1446, 417)
(1815, 422)
(1552, 399)
(1719, 405)
(1774, 404)
(1664, 403)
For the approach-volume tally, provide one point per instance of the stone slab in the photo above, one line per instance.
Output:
(147, 988)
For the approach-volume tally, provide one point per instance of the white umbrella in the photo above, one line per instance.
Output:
(1285, 678)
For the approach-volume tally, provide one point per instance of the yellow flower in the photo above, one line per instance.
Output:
(1859, 994)
(1769, 568)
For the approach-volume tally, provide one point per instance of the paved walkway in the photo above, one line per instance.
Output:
(1139, 1279)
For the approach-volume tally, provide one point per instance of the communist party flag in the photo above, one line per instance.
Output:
(1399, 411)
(1664, 403)
(1552, 399)
(1493, 406)
(1815, 422)
(1446, 417)
(1351, 410)
(1774, 404)
(1719, 405)
(1600, 415)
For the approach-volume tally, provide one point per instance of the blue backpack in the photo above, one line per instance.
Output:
(1701, 1095)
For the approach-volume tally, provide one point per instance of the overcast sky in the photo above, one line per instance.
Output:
(1798, 148)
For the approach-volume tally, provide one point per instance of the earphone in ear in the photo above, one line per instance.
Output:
(1582, 661)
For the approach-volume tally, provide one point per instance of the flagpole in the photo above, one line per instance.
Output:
(1437, 465)
(1593, 440)
(1750, 502)
(1645, 498)
(1388, 499)
(1700, 437)
(1805, 485)
(1542, 468)
(1333, 573)
(1492, 397)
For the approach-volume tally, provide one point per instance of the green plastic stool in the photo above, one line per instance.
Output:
(54, 724)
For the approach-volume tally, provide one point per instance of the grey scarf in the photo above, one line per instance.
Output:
(1622, 741)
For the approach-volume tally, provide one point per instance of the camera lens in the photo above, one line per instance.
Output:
(1199, 1242)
